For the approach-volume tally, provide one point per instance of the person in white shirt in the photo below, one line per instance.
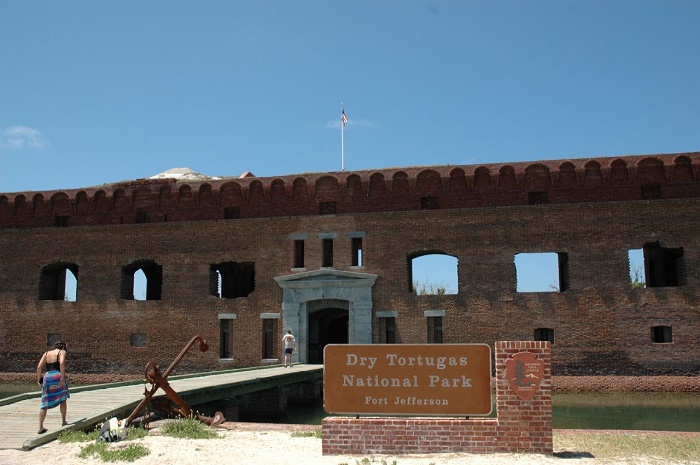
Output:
(289, 343)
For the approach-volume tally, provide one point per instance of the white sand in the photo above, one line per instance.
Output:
(264, 444)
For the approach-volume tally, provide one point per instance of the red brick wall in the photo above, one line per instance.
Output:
(673, 176)
(602, 325)
(521, 426)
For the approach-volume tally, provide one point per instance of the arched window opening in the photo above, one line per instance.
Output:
(663, 266)
(542, 272)
(59, 281)
(142, 280)
(140, 285)
(636, 267)
(432, 273)
(229, 280)
(70, 293)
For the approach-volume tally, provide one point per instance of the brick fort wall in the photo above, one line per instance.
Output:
(591, 212)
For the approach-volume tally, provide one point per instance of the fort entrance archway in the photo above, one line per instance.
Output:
(327, 325)
(325, 307)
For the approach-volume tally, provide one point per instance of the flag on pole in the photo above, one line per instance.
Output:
(343, 121)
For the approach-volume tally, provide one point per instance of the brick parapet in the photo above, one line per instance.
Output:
(640, 177)
(523, 426)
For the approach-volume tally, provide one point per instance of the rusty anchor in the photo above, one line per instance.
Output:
(159, 380)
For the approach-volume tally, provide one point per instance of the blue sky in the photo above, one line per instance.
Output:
(95, 91)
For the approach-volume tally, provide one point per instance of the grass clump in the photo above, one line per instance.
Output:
(82, 436)
(114, 452)
(78, 436)
(368, 461)
(645, 446)
(108, 452)
(308, 434)
(189, 428)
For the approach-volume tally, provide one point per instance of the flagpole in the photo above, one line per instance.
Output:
(342, 138)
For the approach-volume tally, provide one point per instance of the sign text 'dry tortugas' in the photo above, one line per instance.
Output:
(407, 379)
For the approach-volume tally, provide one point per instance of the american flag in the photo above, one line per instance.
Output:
(343, 118)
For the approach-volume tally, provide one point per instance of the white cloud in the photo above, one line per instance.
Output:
(21, 137)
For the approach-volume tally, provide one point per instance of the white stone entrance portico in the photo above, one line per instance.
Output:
(309, 291)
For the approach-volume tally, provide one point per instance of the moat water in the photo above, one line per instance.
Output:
(634, 411)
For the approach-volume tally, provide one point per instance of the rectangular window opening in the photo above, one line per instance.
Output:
(542, 272)
(327, 208)
(327, 260)
(357, 251)
(663, 266)
(661, 335)
(387, 330)
(52, 339)
(231, 280)
(138, 340)
(226, 338)
(232, 213)
(143, 217)
(430, 203)
(635, 259)
(434, 329)
(269, 338)
(537, 198)
(544, 334)
(651, 191)
(299, 253)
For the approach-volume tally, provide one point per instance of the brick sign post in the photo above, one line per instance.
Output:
(523, 404)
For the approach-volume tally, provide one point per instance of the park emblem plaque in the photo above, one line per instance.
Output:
(407, 379)
(524, 373)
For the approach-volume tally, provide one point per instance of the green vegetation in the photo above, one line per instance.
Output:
(121, 451)
(105, 451)
(644, 446)
(610, 447)
(615, 447)
(115, 452)
(427, 288)
(78, 436)
(189, 428)
(637, 277)
(81, 436)
(307, 434)
(366, 461)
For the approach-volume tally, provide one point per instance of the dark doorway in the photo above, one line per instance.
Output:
(326, 326)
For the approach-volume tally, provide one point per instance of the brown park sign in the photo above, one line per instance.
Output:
(407, 379)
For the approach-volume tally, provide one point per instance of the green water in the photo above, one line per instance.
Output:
(9, 390)
(634, 411)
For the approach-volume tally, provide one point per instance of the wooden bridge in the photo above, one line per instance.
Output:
(90, 405)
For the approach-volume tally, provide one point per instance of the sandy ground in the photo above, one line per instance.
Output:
(266, 444)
